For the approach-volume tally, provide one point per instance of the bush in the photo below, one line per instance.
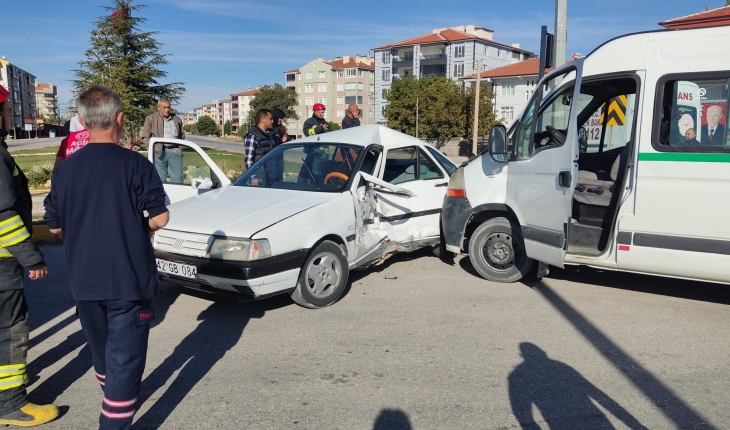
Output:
(39, 175)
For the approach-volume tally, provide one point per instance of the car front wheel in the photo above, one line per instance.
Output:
(323, 278)
(497, 251)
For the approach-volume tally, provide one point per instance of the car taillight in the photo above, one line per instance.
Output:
(456, 186)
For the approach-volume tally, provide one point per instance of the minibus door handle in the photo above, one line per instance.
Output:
(564, 178)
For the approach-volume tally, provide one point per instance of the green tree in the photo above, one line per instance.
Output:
(126, 59)
(270, 97)
(334, 126)
(227, 128)
(441, 107)
(191, 128)
(206, 126)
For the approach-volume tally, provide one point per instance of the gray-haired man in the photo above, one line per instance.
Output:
(99, 199)
(168, 156)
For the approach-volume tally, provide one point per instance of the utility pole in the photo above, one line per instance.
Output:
(475, 136)
(561, 31)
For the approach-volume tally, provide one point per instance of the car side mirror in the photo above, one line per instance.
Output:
(201, 183)
(498, 143)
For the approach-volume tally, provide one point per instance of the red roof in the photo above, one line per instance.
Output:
(247, 93)
(523, 68)
(708, 18)
(352, 62)
(446, 36)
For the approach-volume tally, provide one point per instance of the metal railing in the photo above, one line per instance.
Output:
(431, 56)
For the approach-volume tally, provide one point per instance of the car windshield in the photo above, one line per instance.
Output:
(308, 166)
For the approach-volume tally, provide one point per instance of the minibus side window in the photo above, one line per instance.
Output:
(692, 114)
(524, 130)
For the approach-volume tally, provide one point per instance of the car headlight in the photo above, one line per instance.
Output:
(240, 249)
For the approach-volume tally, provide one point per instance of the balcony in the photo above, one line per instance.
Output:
(406, 61)
(433, 59)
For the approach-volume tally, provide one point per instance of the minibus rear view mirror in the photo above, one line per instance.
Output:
(498, 143)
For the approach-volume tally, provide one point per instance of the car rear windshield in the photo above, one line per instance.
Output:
(308, 166)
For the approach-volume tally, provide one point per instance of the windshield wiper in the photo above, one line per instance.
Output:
(316, 182)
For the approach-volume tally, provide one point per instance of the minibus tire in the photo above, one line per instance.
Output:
(497, 251)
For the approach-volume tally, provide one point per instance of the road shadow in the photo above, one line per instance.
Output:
(55, 385)
(392, 419)
(670, 404)
(561, 394)
(671, 287)
(221, 327)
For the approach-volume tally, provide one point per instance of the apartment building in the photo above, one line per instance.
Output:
(336, 84)
(451, 52)
(189, 118)
(240, 107)
(512, 86)
(21, 86)
(46, 99)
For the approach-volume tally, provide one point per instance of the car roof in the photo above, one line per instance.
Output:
(364, 135)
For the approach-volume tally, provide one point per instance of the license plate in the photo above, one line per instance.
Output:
(177, 269)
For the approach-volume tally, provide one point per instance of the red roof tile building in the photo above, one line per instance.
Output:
(512, 86)
(708, 18)
(450, 52)
(334, 83)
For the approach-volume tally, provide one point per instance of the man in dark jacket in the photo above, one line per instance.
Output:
(316, 124)
(279, 128)
(259, 140)
(352, 119)
(17, 253)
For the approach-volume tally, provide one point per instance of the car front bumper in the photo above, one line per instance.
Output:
(250, 279)
(455, 213)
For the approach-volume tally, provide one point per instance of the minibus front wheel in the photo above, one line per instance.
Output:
(497, 251)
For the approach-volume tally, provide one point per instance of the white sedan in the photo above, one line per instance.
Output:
(303, 216)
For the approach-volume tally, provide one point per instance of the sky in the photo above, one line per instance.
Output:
(220, 47)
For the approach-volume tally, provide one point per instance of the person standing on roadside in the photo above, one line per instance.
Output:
(279, 128)
(17, 253)
(352, 119)
(168, 156)
(316, 124)
(259, 140)
(98, 201)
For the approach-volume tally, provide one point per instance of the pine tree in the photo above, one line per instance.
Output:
(126, 59)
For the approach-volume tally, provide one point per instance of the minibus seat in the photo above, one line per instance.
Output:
(594, 191)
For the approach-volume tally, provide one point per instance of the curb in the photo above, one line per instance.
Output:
(43, 236)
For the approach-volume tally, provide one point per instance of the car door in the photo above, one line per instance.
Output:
(184, 168)
(412, 220)
(544, 171)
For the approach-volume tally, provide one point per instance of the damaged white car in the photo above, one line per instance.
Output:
(305, 215)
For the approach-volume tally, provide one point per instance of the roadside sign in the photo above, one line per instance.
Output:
(28, 127)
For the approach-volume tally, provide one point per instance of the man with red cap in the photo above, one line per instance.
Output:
(316, 124)
(17, 255)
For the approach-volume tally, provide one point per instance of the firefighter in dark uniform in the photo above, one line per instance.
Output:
(107, 200)
(17, 253)
(316, 124)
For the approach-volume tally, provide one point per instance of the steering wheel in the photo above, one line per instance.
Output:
(336, 175)
(555, 135)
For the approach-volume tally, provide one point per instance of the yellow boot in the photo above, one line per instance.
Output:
(31, 415)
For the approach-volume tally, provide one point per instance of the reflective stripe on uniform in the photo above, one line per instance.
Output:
(313, 131)
(10, 224)
(15, 171)
(12, 376)
(14, 237)
(4, 253)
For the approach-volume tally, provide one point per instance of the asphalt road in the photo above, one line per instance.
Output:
(414, 344)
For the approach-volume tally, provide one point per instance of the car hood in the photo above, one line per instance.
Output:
(240, 211)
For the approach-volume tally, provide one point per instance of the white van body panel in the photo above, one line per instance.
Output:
(675, 205)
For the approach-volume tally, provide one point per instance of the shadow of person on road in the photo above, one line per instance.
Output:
(562, 395)
(49, 390)
(392, 419)
(220, 329)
